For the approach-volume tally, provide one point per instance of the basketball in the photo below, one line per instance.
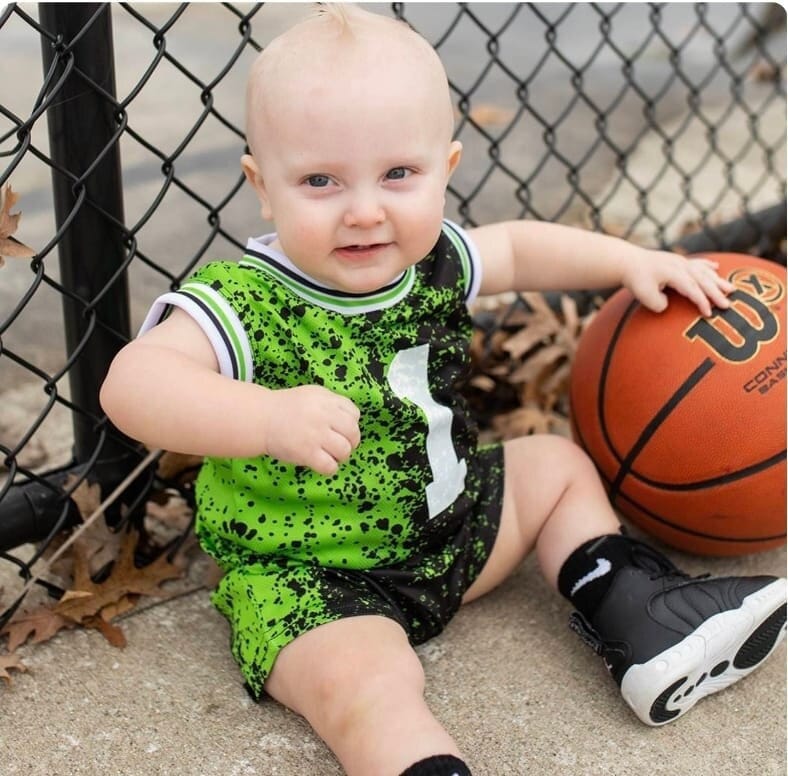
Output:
(684, 416)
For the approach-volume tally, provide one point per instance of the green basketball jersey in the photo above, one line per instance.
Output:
(397, 353)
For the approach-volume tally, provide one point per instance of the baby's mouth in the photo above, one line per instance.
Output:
(361, 250)
(370, 247)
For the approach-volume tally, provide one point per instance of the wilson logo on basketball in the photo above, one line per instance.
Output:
(736, 334)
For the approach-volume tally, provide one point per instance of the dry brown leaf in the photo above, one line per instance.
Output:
(540, 306)
(167, 518)
(99, 543)
(7, 662)
(74, 595)
(497, 341)
(172, 465)
(210, 573)
(483, 383)
(765, 72)
(121, 606)
(571, 317)
(38, 625)
(521, 422)
(612, 228)
(533, 367)
(87, 497)
(555, 385)
(9, 222)
(175, 512)
(522, 361)
(112, 633)
(487, 114)
(532, 334)
(124, 579)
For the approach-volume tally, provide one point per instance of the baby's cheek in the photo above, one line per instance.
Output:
(306, 241)
(425, 226)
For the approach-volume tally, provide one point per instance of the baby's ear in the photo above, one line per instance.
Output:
(455, 154)
(253, 175)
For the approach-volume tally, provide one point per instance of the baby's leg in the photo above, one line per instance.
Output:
(667, 639)
(553, 501)
(360, 685)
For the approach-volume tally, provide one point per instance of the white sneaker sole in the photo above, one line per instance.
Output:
(724, 649)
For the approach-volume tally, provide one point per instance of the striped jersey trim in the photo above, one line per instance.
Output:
(338, 301)
(469, 257)
(259, 256)
(218, 321)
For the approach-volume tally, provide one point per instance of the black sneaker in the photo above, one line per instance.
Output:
(669, 639)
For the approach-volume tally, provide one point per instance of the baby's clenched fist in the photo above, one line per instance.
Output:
(311, 426)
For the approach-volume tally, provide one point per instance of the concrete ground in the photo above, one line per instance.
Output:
(518, 691)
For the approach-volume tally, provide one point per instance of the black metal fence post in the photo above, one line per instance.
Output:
(86, 178)
(88, 198)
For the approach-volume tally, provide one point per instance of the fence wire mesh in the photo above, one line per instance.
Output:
(661, 123)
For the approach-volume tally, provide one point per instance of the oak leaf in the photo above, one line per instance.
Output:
(98, 541)
(36, 626)
(8, 662)
(112, 633)
(522, 364)
(9, 223)
(521, 422)
(87, 497)
(175, 465)
(487, 115)
(125, 579)
(174, 510)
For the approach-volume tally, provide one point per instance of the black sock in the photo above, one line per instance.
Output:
(590, 569)
(438, 765)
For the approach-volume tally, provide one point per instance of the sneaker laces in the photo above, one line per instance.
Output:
(655, 563)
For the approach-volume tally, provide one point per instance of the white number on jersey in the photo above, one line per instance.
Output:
(408, 379)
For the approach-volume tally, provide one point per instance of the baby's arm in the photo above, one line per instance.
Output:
(164, 389)
(534, 255)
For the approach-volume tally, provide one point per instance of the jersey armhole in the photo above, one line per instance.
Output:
(218, 321)
(469, 256)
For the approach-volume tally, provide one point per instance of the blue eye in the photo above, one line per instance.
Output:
(397, 173)
(318, 181)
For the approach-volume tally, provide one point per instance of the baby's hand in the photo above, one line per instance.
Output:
(696, 279)
(311, 426)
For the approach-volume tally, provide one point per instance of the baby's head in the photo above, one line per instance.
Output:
(350, 123)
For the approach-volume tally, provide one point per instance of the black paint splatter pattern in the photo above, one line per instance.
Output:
(300, 549)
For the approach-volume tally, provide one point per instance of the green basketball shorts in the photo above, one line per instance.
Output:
(271, 600)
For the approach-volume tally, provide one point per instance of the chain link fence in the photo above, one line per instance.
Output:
(121, 130)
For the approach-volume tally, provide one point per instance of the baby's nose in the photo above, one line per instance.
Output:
(364, 212)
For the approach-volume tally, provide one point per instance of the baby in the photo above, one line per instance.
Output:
(344, 493)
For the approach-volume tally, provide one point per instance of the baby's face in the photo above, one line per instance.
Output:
(353, 172)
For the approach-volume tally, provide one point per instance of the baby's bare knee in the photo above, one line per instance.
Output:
(366, 683)
(575, 459)
(353, 694)
(551, 457)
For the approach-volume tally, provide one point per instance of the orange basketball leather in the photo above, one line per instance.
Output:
(685, 416)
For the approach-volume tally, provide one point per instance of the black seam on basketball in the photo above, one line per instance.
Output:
(600, 400)
(722, 479)
(683, 529)
(662, 414)
(663, 520)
